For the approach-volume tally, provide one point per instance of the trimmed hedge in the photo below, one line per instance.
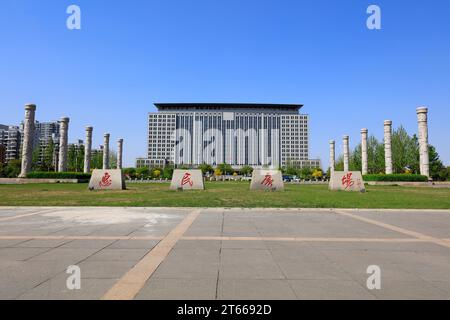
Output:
(395, 177)
(59, 175)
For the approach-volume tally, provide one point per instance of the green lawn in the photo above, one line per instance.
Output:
(224, 194)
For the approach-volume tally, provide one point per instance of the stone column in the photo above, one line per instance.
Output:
(388, 146)
(364, 154)
(119, 153)
(346, 153)
(332, 155)
(422, 118)
(106, 151)
(63, 137)
(88, 150)
(28, 139)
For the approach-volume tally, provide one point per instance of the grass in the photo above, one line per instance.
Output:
(225, 194)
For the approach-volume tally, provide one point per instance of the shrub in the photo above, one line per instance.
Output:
(59, 175)
(395, 177)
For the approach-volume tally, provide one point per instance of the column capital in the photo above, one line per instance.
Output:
(332, 142)
(30, 107)
(64, 120)
(107, 135)
(422, 110)
(90, 129)
(364, 130)
(388, 122)
(346, 137)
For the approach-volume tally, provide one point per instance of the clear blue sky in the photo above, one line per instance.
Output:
(130, 54)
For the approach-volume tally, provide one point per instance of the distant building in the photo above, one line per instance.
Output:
(10, 139)
(258, 135)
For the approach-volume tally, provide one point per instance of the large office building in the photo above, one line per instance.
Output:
(258, 135)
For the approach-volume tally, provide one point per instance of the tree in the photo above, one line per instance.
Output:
(225, 168)
(35, 163)
(405, 150)
(437, 169)
(143, 172)
(13, 168)
(97, 160)
(49, 154)
(317, 173)
(156, 173)
(72, 158)
(168, 172)
(305, 173)
(206, 168)
(129, 172)
(246, 170)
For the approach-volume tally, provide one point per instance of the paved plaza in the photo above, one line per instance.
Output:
(159, 253)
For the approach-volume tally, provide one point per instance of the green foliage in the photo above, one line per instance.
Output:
(167, 173)
(11, 169)
(49, 154)
(246, 170)
(97, 160)
(59, 175)
(129, 172)
(206, 168)
(225, 169)
(395, 177)
(143, 173)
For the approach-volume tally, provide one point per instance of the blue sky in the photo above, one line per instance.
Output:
(130, 54)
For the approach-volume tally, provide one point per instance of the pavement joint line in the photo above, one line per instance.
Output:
(216, 238)
(23, 215)
(134, 280)
(391, 227)
(306, 239)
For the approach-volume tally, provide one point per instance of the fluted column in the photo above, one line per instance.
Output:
(388, 146)
(332, 155)
(28, 138)
(63, 137)
(119, 153)
(88, 150)
(364, 154)
(346, 153)
(422, 118)
(106, 151)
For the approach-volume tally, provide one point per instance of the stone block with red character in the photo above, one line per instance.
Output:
(347, 181)
(187, 180)
(271, 180)
(107, 180)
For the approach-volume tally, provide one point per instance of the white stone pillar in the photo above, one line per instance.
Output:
(63, 137)
(364, 153)
(332, 155)
(106, 151)
(346, 153)
(388, 146)
(422, 118)
(28, 139)
(119, 153)
(88, 150)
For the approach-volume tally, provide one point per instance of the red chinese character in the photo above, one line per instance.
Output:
(268, 181)
(106, 181)
(347, 180)
(187, 180)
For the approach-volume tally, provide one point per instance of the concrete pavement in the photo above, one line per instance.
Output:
(213, 253)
